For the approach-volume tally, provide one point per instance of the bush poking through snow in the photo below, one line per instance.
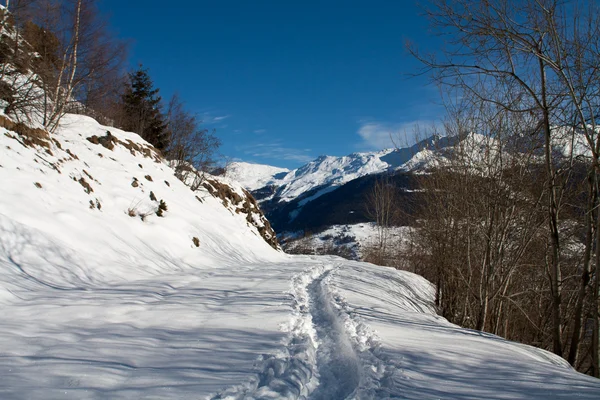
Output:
(29, 136)
(86, 186)
(133, 210)
(74, 156)
(88, 175)
(96, 204)
(148, 177)
(135, 183)
(107, 141)
(152, 196)
(196, 241)
(38, 185)
(162, 207)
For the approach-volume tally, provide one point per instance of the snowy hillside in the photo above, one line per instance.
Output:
(119, 282)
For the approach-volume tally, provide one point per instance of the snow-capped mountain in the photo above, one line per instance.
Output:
(254, 176)
(336, 186)
(308, 197)
(328, 172)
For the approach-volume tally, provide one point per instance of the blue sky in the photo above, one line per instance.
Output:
(283, 82)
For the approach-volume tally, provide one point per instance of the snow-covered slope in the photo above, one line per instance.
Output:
(330, 171)
(348, 241)
(118, 190)
(254, 176)
(107, 294)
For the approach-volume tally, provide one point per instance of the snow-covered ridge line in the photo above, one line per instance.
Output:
(329, 172)
(334, 171)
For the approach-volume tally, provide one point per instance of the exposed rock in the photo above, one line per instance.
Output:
(29, 136)
(243, 203)
(109, 141)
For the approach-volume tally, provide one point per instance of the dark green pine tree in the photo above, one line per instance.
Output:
(142, 109)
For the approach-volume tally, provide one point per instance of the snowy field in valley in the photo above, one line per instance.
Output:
(101, 298)
(352, 241)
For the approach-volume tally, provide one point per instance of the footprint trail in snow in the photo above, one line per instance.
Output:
(325, 356)
(337, 363)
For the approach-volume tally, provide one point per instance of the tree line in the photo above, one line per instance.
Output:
(60, 56)
(507, 224)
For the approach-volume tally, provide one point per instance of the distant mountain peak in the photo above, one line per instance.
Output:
(331, 171)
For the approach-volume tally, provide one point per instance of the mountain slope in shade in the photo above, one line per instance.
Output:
(310, 198)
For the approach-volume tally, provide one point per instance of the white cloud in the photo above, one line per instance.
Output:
(260, 130)
(209, 118)
(381, 135)
(376, 135)
(276, 151)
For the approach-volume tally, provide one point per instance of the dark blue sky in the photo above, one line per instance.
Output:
(285, 81)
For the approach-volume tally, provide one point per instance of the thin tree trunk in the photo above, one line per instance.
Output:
(555, 271)
(62, 92)
(596, 308)
(585, 274)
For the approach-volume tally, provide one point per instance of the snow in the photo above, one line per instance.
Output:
(329, 172)
(253, 176)
(98, 304)
(354, 237)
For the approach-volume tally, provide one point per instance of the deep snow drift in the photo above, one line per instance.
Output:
(102, 298)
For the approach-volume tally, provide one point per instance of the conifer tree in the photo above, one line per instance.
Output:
(142, 109)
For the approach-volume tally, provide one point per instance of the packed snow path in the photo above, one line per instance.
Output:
(328, 355)
(331, 352)
(337, 364)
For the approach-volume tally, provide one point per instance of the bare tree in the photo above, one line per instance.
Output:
(477, 222)
(381, 205)
(191, 151)
(532, 58)
(66, 56)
